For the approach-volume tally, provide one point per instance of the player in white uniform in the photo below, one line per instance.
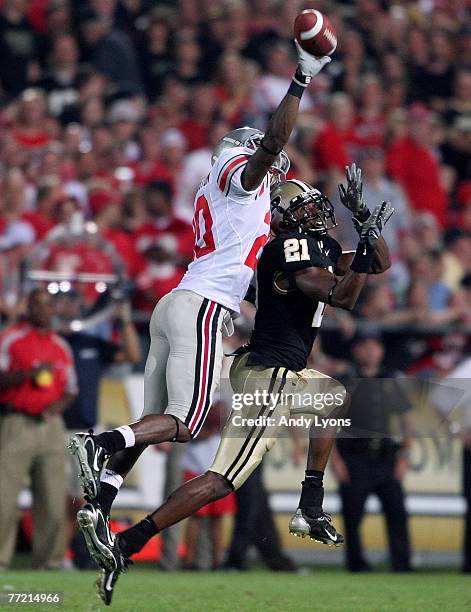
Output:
(232, 223)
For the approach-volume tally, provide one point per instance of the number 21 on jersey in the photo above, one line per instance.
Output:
(296, 249)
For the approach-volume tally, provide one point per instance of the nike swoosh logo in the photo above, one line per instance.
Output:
(96, 467)
(108, 582)
(333, 538)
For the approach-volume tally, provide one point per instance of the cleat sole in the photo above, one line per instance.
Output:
(296, 534)
(86, 477)
(102, 556)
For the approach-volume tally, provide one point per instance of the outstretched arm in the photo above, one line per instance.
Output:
(322, 286)
(282, 121)
(352, 198)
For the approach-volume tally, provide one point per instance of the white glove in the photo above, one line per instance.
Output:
(308, 65)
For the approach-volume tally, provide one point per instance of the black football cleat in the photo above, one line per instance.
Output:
(107, 578)
(90, 457)
(319, 529)
(95, 526)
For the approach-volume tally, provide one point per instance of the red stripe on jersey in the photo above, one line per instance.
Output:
(231, 166)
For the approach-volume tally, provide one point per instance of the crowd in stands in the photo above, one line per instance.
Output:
(111, 109)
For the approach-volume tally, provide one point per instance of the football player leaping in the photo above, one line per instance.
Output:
(232, 223)
(300, 271)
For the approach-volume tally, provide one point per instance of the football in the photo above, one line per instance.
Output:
(315, 33)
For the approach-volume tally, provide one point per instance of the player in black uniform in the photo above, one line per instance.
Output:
(300, 271)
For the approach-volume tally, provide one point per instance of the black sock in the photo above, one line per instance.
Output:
(136, 537)
(314, 478)
(112, 441)
(312, 493)
(106, 497)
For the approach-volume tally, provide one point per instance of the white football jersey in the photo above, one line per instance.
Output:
(231, 228)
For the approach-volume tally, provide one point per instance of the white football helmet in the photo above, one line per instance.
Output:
(250, 138)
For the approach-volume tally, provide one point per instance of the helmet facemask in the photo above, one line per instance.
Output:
(311, 211)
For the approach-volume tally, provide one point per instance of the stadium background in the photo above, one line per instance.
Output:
(111, 109)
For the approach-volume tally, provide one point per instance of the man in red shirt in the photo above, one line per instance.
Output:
(37, 382)
(412, 163)
(163, 222)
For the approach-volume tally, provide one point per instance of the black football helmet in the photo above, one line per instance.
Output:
(296, 205)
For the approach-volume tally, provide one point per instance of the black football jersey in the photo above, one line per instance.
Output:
(287, 321)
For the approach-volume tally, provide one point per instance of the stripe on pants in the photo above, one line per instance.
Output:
(247, 448)
(206, 334)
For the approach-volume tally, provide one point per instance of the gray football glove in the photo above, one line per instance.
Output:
(352, 197)
(371, 229)
(308, 65)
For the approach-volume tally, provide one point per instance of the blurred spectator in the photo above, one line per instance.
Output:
(413, 163)
(111, 52)
(92, 355)
(49, 195)
(199, 456)
(368, 459)
(14, 230)
(254, 526)
(30, 129)
(18, 50)
(196, 167)
(61, 80)
(202, 114)
(274, 81)
(158, 272)
(155, 57)
(37, 383)
(457, 150)
(162, 221)
(428, 269)
(335, 146)
(376, 189)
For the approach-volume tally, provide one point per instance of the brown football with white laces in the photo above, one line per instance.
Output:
(315, 33)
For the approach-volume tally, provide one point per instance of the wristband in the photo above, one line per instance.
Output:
(295, 89)
(363, 214)
(269, 151)
(363, 258)
(301, 79)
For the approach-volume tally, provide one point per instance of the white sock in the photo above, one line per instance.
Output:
(112, 478)
(128, 435)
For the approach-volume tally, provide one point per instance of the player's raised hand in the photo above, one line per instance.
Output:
(308, 65)
(371, 229)
(352, 197)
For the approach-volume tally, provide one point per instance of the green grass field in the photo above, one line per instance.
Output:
(332, 590)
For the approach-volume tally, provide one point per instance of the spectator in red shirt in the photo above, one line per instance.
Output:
(159, 272)
(202, 113)
(412, 162)
(370, 123)
(233, 90)
(150, 166)
(334, 147)
(162, 221)
(37, 382)
(107, 211)
(30, 131)
(43, 218)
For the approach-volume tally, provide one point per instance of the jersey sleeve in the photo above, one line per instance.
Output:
(227, 173)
